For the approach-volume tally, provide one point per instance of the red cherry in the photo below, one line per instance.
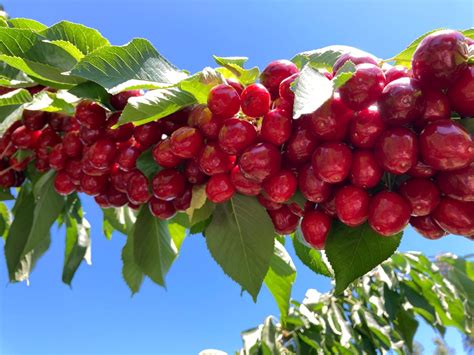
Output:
(102, 154)
(120, 100)
(127, 157)
(223, 101)
(439, 58)
(7, 179)
(183, 202)
(461, 95)
(186, 142)
(284, 90)
(34, 120)
(436, 108)
(352, 205)
(365, 171)
(57, 158)
(256, 100)
(193, 173)
(422, 195)
(301, 145)
(63, 184)
(455, 217)
(366, 127)
(219, 188)
(202, 118)
(260, 161)
(457, 184)
(72, 144)
(396, 150)
(389, 213)
(269, 205)
(171, 123)
(236, 135)
(212, 160)
(168, 184)
(420, 169)
(445, 145)
(102, 201)
(332, 162)
(93, 185)
(356, 57)
(235, 84)
(161, 209)
(67, 123)
(90, 114)
(283, 105)
(23, 138)
(315, 227)
(90, 136)
(137, 188)
(55, 121)
(120, 134)
(284, 221)
(275, 73)
(427, 227)
(276, 127)
(120, 178)
(164, 156)
(242, 184)
(148, 134)
(42, 165)
(313, 188)
(329, 206)
(115, 198)
(397, 72)
(74, 169)
(280, 186)
(401, 102)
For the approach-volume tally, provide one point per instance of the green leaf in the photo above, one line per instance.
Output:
(198, 200)
(343, 74)
(27, 24)
(323, 58)
(234, 67)
(280, 278)
(312, 258)
(5, 220)
(131, 271)
(12, 77)
(407, 326)
(5, 195)
(312, 89)
(132, 66)
(146, 164)
(92, 91)
(8, 115)
(352, 252)
(120, 219)
(269, 338)
(155, 104)
(50, 102)
(241, 240)
(202, 214)
(15, 97)
(468, 33)
(468, 124)
(201, 83)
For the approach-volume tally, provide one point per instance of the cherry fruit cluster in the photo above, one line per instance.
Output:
(384, 149)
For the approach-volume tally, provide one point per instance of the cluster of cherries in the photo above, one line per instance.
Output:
(383, 149)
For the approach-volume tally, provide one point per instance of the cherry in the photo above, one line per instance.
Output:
(186, 142)
(352, 205)
(269, 205)
(284, 221)
(90, 136)
(313, 188)
(148, 134)
(127, 157)
(397, 72)
(115, 198)
(315, 227)
(23, 138)
(427, 227)
(7, 179)
(223, 101)
(74, 169)
(36, 89)
(276, 127)
(72, 144)
(89, 169)
(171, 123)
(90, 114)
(439, 58)
(235, 84)
(120, 100)
(57, 157)
(163, 155)
(20, 178)
(332, 162)
(366, 127)
(137, 188)
(63, 184)
(420, 169)
(102, 153)
(457, 184)
(364, 87)
(356, 57)
(67, 123)
(422, 195)
(119, 178)
(455, 217)
(34, 120)
(219, 188)
(256, 100)
(396, 150)
(236, 135)
(242, 184)
(436, 107)
(275, 73)
(202, 118)
(93, 185)
(260, 161)
(212, 160)
(168, 184)
(401, 102)
(46, 141)
(120, 134)
(183, 202)
(365, 171)
(389, 213)
(301, 145)
(193, 173)
(42, 165)
(280, 186)
(445, 145)
(161, 209)
(461, 95)
(283, 105)
(284, 90)
(102, 201)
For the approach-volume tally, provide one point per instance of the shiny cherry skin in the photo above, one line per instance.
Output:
(90, 136)
(281, 186)
(397, 72)
(90, 114)
(284, 221)
(34, 120)
(284, 90)
(63, 184)
(102, 153)
(356, 57)
(445, 145)
(7, 179)
(209, 124)
(439, 58)
(461, 93)
(120, 134)
(138, 188)
(23, 138)
(260, 161)
(57, 158)
(436, 107)
(301, 145)
(389, 213)
(72, 144)
(236, 135)
(127, 157)
(366, 127)
(235, 84)
(352, 205)
(244, 185)
(183, 202)
(164, 156)
(329, 206)
(93, 185)
(120, 100)
(212, 160)
(219, 188)
(401, 102)
(396, 150)
(74, 169)
(420, 169)
(276, 126)
(193, 173)
(312, 187)
(332, 162)
(457, 184)
(168, 184)
(427, 227)
(256, 100)
(171, 123)
(269, 205)
(365, 171)
(102, 201)
(161, 209)
(186, 142)
(315, 227)
(274, 73)
(115, 198)
(455, 217)
(422, 195)
(148, 134)
(223, 101)
(364, 87)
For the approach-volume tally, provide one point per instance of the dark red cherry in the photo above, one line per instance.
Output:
(57, 158)
(352, 205)
(93, 185)
(137, 188)
(183, 202)
(127, 157)
(427, 227)
(389, 213)
(148, 134)
(312, 187)
(102, 154)
(275, 73)
(168, 184)
(455, 217)
(457, 184)
(260, 161)
(332, 162)
(120, 134)
(90, 114)
(186, 142)
(209, 125)
(281, 186)
(301, 145)
(436, 107)
(34, 120)
(284, 89)
(284, 221)
(397, 72)
(90, 136)
(461, 93)
(242, 184)
(23, 138)
(120, 100)
(115, 198)
(356, 57)
(219, 188)
(42, 165)
(329, 206)
(7, 179)
(236, 135)
(119, 178)
(223, 101)
(365, 171)
(63, 184)
(420, 169)
(171, 123)
(161, 209)
(212, 160)
(164, 156)
(256, 100)
(269, 205)
(74, 169)
(102, 201)
(315, 227)
(422, 195)
(366, 127)
(193, 173)
(72, 144)
(235, 84)
(276, 126)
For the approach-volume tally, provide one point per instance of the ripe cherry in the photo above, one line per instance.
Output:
(34, 120)
(397, 72)
(389, 213)
(284, 221)
(74, 169)
(455, 217)
(115, 198)
(223, 101)
(23, 138)
(427, 227)
(120, 134)
(7, 179)
(256, 100)
(193, 173)
(161, 209)
(102, 154)
(244, 185)
(356, 57)
(332, 162)
(72, 144)
(422, 195)
(315, 227)
(57, 158)
(420, 169)
(312, 187)
(148, 134)
(63, 184)
(168, 184)
(119, 178)
(90, 136)
(202, 118)
(93, 185)
(284, 89)
(120, 100)
(365, 171)
(269, 205)
(219, 188)
(164, 156)
(235, 84)
(236, 135)
(102, 201)
(276, 127)
(366, 127)
(183, 202)
(137, 188)
(90, 114)
(461, 95)
(127, 157)
(301, 145)
(280, 186)
(186, 142)
(457, 184)
(275, 73)
(212, 160)
(352, 205)
(260, 161)
(436, 107)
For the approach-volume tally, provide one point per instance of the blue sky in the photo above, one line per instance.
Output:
(201, 308)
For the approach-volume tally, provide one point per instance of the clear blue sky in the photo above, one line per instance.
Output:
(202, 308)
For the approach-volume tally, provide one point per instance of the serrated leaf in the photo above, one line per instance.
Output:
(234, 67)
(155, 104)
(352, 252)
(131, 271)
(201, 83)
(343, 74)
(50, 102)
(241, 240)
(136, 65)
(15, 97)
(28, 24)
(269, 338)
(120, 219)
(68, 47)
(13, 77)
(147, 165)
(92, 91)
(407, 326)
(469, 33)
(323, 58)
(240, 61)
(8, 115)
(310, 257)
